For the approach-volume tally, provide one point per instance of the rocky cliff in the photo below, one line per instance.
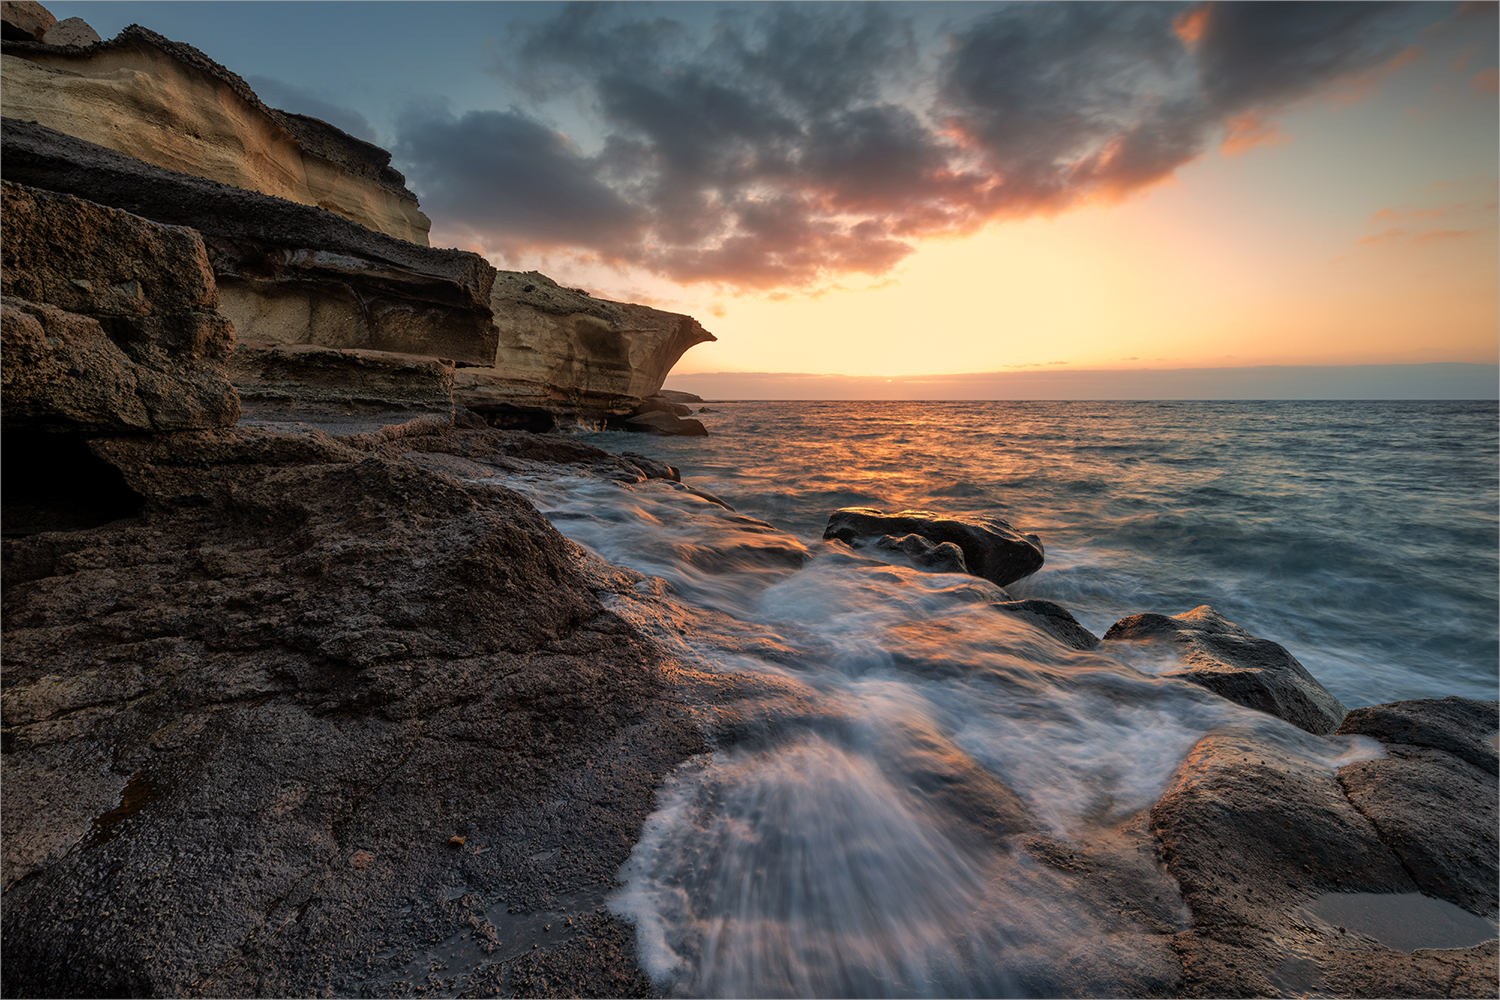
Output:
(169, 104)
(313, 238)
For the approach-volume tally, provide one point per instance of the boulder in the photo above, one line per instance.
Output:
(286, 273)
(1250, 671)
(310, 717)
(306, 373)
(678, 396)
(170, 105)
(992, 549)
(24, 20)
(944, 557)
(110, 321)
(659, 404)
(1261, 838)
(1433, 797)
(558, 336)
(657, 422)
(652, 468)
(71, 31)
(1052, 618)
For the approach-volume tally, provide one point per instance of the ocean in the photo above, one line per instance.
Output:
(824, 856)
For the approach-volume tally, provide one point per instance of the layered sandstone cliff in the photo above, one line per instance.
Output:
(313, 240)
(168, 104)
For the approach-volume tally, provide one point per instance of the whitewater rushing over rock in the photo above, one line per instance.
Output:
(882, 818)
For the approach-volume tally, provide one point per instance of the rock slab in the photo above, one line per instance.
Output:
(1228, 660)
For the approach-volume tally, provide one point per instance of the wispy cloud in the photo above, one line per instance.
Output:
(791, 144)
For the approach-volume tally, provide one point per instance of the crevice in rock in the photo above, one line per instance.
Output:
(53, 482)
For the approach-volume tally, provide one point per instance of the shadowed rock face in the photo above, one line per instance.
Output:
(1226, 659)
(992, 549)
(110, 321)
(275, 696)
(169, 104)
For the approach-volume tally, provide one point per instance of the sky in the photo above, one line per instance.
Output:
(901, 190)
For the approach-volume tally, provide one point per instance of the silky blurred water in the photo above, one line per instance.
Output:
(1360, 535)
(869, 822)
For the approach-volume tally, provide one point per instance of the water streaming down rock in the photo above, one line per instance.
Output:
(881, 823)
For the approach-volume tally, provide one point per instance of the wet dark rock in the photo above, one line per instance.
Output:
(1052, 618)
(658, 422)
(991, 548)
(1462, 727)
(1252, 834)
(652, 468)
(944, 557)
(240, 734)
(1433, 798)
(1226, 659)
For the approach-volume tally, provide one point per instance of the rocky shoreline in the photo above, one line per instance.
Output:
(300, 699)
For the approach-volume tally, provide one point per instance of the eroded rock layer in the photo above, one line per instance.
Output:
(169, 104)
(286, 273)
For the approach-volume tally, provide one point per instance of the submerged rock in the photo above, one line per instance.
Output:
(1226, 659)
(991, 548)
(1053, 618)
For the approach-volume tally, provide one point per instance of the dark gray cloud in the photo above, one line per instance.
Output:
(792, 143)
(513, 183)
(300, 100)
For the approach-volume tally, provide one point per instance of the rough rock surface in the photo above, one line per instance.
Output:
(562, 336)
(278, 695)
(1229, 661)
(286, 273)
(308, 373)
(24, 20)
(168, 104)
(110, 321)
(1459, 726)
(1252, 833)
(71, 31)
(1433, 797)
(992, 549)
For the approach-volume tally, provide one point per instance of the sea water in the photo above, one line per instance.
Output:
(863, 842)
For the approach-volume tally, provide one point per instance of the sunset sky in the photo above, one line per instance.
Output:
(907, 189)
